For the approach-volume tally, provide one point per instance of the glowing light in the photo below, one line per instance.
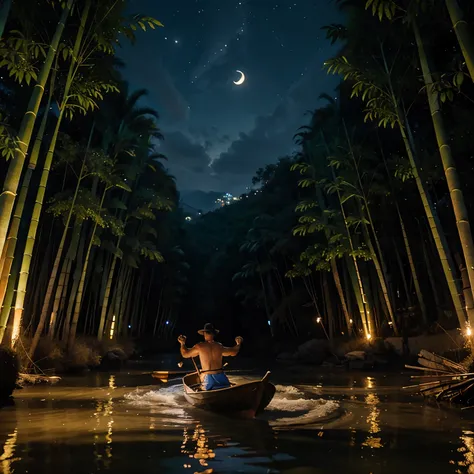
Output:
(269, 322)
(167, 322)
(369, 337)
(318, 320)
(112, 327)
(350, 321)
(241, 80)
(468, 331)
(15, 332)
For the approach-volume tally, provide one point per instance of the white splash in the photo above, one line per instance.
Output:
(289, 407)
(163, 397)
(288, 389)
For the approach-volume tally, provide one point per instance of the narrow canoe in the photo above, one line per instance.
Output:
(246, 399)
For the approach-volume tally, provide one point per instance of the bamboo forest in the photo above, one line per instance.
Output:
(345, 265)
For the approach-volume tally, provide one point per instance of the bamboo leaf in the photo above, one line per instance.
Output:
(459, 79)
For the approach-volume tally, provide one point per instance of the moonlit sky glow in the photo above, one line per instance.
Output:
(218, 134)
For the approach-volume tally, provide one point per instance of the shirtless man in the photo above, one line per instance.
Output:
(210, 354)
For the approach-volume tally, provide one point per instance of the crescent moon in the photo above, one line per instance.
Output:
(241, 80)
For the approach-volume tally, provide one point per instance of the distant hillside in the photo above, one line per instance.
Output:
(195, 201)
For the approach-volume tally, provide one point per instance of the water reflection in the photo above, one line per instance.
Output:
(104, 415)
(77, 429)
(373, 418)
(196, 446)
(467, 451)
(8, 456)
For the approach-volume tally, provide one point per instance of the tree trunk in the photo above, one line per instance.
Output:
(105, 304)
(434, 224)
(450, 171)
(380, 277)
(12, 238)
(466, 288)
(30, 241)
(463, 33)
(335, 272)
(265, 300)
(5, 6)
(158, 312)
(75, 284)
(25, 266)
(6, 310)
(365, 314)
(124, 297)
(408, 300)
(378, 259)
(15, 168)
(340, 292)
(62, 286)
(429, 270)
(57, 260)
(411, 262)
(138, 303)
(329, 309)
(80, 290)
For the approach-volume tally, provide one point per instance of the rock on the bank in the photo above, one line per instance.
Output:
(313, 351)
(113, 360)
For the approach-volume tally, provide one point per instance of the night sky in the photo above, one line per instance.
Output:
(218, 134)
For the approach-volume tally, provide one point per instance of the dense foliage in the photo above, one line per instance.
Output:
(363, 232)
(93, 228)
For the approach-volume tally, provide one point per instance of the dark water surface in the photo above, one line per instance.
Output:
(318, 423)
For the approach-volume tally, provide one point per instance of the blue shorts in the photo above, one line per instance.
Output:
(215, 381)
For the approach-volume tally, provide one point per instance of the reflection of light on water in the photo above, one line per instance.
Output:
(373, 418)
(7, 459)
(467, 450)
(105, 409)
(196, 445)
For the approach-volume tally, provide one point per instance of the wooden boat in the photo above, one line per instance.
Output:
(246, 399)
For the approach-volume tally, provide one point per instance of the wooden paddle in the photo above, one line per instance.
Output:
(164, 375)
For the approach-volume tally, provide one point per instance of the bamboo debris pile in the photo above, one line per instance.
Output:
(444, 379)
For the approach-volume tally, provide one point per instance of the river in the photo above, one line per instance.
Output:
(318, 422)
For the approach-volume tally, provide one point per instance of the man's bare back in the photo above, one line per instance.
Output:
(210, 353)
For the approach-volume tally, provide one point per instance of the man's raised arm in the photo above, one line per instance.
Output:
(185, 352)
(232, 351)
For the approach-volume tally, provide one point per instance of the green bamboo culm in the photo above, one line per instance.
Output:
(12, 237)
(30, 242)
(431, 214)
(12, 179)
(452, 176)
(57, 260)
(71, 337)
(108, 287)
(463, 33)
(7, 307)
(5, 7)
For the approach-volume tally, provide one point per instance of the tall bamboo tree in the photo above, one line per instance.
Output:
(12, 179)
(12, 238)
(464, 34)
(5, 7)
(452, 176)
(384, 107)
